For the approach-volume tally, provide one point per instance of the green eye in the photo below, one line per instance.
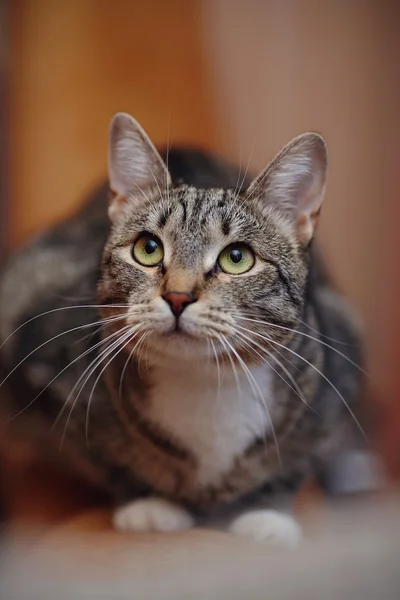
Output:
(148, 250)
(236, 259)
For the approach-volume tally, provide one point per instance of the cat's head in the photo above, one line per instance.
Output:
(204, 270)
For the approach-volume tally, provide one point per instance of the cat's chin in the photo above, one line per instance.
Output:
(178, 345)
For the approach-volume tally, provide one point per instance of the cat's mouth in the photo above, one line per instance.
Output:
(179, 332)
(194, 333)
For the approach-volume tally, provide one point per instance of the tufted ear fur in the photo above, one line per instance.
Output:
(295, 183)
(133, 163)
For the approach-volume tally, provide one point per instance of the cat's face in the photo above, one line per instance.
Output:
(205, 271)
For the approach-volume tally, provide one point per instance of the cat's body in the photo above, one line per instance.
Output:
(212, 428)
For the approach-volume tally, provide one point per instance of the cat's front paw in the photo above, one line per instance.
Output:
(269, 526)
(151, 514)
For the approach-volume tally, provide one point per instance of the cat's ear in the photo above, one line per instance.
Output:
(133, 162)
(294, 182)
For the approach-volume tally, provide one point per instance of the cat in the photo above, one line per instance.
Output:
(179, 338)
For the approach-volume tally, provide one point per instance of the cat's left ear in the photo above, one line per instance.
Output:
(133, 163)
(294, 182)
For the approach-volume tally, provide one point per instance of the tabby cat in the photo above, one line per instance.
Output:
(183, 350)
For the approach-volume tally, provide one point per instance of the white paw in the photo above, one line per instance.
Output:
(151, 514)
(268, 526)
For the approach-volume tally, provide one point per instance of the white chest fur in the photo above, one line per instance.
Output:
(216, 422)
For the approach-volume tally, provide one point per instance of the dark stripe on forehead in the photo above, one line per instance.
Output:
(225, 225)
(197, 207)
(164, 217)
(184, 209)
(226, 220)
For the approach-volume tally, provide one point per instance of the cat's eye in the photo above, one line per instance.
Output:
(236, 259)
(148, 250)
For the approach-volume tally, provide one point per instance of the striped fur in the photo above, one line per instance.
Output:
(159, 429)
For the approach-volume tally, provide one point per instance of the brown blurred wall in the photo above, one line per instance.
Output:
(238, 76)
(75, 63)
(286, 66)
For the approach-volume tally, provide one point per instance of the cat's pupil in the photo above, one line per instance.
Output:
(150, 247)
(236, 256)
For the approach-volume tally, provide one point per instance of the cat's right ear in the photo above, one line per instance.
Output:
(133, 163)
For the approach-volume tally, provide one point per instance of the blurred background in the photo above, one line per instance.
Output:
(239, 78)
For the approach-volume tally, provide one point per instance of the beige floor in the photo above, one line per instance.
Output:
(65, 548)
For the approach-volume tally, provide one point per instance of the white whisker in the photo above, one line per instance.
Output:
(222, 340)
(129, 337)
(96, 361)
(238, 189)
(140, 350)
(296, 389)
(218, 368)
(311, 337)
(155, 180)
(54, 310)
(127, 362)
(88, 351)
(326, 337)
(103, 324)
(317, 370)
(254, 385)
(45, 344)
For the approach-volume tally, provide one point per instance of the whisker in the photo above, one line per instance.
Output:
(258, 404)
(238, 189)
(140, 350)
(218, 368)
(130, 337)
(222, 340)
(80, 298)
(126, 365)
(167, 157)
(155, 179)
(296, 389)
(45, 344)
(311, 337)
(88, 351)
(327, 337)
(96, 361)
(251, 379)
(54, 310)
(259, 183)
(318, 371)
(103, 355)
(103, 324)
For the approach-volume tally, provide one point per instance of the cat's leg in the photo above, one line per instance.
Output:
(269, 526)
(152, 514)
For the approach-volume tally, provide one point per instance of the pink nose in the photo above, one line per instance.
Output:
(178, 301)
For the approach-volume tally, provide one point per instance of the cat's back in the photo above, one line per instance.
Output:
(59, 262)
